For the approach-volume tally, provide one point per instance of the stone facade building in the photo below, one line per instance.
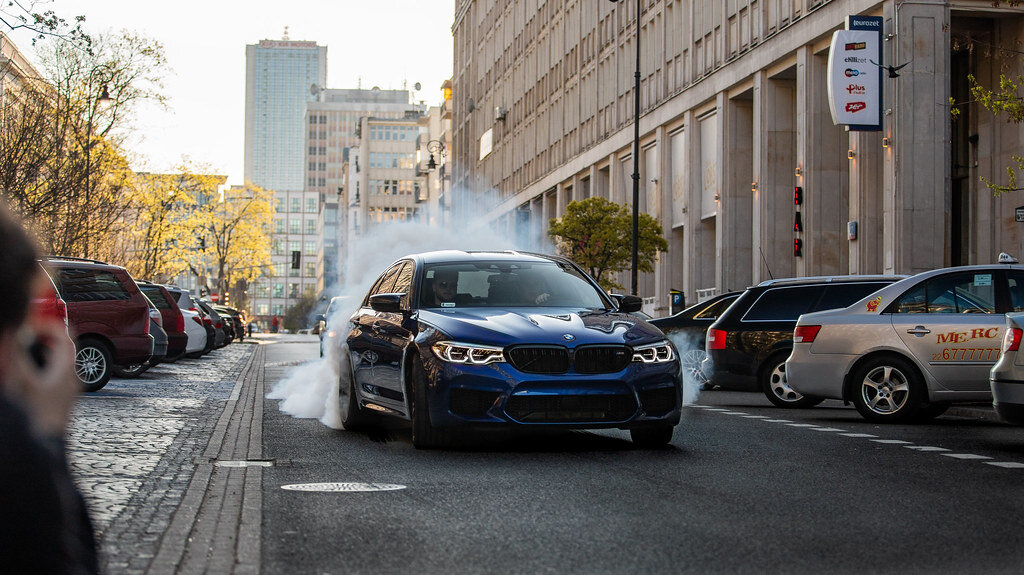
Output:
(735, 116)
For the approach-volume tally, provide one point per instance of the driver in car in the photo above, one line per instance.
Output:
(444, 286)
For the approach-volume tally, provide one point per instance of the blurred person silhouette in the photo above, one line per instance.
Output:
(444, 286)
(44, 524)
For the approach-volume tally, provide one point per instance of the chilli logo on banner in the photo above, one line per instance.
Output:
(856, 45)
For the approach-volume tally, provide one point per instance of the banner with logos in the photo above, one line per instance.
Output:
(855, 74)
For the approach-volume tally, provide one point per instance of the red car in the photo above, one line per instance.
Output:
(108, 317)
(174, 321)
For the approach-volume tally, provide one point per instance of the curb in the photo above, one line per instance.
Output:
(216, 528)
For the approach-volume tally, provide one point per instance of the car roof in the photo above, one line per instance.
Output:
(830, 279)
(451, 256)
(78, 262)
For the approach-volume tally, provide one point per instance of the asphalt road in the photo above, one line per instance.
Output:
(744, 487)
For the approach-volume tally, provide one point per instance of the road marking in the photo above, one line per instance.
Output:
(964, 456)
(827, 429)
(1006, 464)
(756, 416)
(925, 448)
(858, 435)
(779, 420)
(891, 441)
(811, 425)
(733, 413)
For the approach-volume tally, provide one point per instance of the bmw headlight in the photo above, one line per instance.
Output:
(468, 353)
(659, 352)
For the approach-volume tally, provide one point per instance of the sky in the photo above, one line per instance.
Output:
(392, 44)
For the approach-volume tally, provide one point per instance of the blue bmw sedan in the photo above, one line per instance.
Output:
(456, 340)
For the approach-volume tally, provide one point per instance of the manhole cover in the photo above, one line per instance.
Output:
(342, 487)
(244, 463)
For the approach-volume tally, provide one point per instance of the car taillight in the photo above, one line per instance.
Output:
(179, 322)
(198, 319)
(805, 333)
(716, 339)
(62, 309)
(1011, 341)
(219, 325)
(207, 321)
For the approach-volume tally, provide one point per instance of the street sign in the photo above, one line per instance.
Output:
(1019, 214)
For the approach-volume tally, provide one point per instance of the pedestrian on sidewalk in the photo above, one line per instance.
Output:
(275, 324)
(44, 524)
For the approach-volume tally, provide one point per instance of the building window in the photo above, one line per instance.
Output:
(279, 269)
(278, 248)
(262, 309)
(310, 248)
(279, 226)
(310, 269)
(277, 308)
(293, 290)
(294, 226)
(278, 289)
(295, 206)
(311, 205)
(310, 226)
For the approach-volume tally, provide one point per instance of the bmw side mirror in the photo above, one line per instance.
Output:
(387, 302)
(628, 303)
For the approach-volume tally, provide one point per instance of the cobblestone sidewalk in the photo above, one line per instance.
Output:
(136, 445)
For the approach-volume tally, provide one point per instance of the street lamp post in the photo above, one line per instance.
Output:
(437, 146)
(636, 157)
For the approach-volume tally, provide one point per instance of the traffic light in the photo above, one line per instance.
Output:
(798, 248)
(798, 196)
(798, 223)
(296, 259)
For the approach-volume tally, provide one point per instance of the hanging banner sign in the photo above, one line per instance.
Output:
(855, 74)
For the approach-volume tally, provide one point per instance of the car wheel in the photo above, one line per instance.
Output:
(92, 364)
(691, 361)
(424, 434)
(130, 371)
(888, 389)
(353, 418)
(776, 388)
(651, 436)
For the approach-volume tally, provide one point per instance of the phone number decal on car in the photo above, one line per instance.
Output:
(966, 354)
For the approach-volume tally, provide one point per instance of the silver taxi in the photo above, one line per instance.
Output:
(910, 349)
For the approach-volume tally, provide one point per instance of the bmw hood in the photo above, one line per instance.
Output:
(559, 326)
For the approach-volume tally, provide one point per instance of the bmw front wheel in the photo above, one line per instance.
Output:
(424, 434)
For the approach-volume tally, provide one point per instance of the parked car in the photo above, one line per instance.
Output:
(195, 328)
(220, 331)
(236, 318)
(159, 346)
(459, 340)
(1007, 376)
(108, 317)
(173, 319)
(909, 350)
(688, 329)
(747, 346)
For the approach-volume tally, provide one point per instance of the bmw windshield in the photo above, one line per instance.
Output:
(508, 284)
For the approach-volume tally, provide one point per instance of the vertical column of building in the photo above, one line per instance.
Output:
(699, 231)
(822, 151)
(775, 171)
(919, 188)
(736, 206)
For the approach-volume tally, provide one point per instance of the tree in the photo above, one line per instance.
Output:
(22, 14)
(597, 234)
(62, 163)
(233, 230)
(1002, 100)
(298, 316)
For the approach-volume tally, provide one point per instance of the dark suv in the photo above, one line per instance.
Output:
(749, 343)
(108, 317)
